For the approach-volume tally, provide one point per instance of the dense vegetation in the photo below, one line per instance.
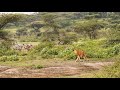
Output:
(58, 33)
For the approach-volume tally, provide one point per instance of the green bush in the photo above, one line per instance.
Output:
(59, 51)
(49, 53)
(97, 53)
(41, 46)
(13, 58)
(45, 50)
(11, 52)
(93, 48)
(71, 56)
(44, 53)
(115, 50)
(5, 48)
(3, 58)
(22, 53)
(9, 58)
(67, 53)
(7, 52)
(36, 66)
(29, 39)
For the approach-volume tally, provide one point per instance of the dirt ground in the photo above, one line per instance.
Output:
(59, 70)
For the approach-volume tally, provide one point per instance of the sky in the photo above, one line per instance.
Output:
(18, 12)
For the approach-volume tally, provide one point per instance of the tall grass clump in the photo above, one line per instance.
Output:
(43, 50)
(9, 58)
(67, 53)
(5, 49)
(93, 49)
(112, 71)
(115, 50)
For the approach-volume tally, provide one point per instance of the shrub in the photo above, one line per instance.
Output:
(6, 44)
(44, 53)
(45, 50)
(40, 46)
(3, 58)
(53, 51)
(92, 48)
(67, 53)
(29, 39)
(5, 48)
(36, 66)
(115, 50)
(11, 52)
(70, 56)
(13, 58)
(49, 53)
(9, 58)
(7, 52)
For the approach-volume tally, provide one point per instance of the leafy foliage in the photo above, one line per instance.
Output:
(88, 28)
(8, 18)
(9, 58)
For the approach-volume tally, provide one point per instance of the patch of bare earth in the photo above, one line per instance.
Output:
(98, 65)
(67, 69)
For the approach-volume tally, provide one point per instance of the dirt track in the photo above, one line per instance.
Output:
(52, 71)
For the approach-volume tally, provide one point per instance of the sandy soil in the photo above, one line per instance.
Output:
(59, 70)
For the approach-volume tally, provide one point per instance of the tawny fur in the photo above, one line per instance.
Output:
(80, 54)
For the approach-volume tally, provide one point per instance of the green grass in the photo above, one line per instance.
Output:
(110, 71)
(26, 63)
(12, 29)
(36, 66)
(33, 43)
(45, 53)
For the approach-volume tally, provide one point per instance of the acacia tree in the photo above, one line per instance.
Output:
(36, 25)
(114, 34)
(88, 28)
(50, 23)
(21, 32)
(4, 20)
(49, 20)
